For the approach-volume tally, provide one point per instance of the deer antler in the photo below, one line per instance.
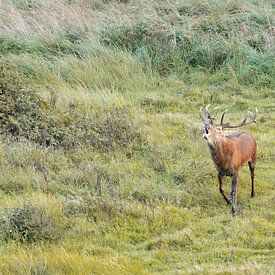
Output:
(205, 115)
(246, 121)
(201, 115)
(222, 117)
(209, 113)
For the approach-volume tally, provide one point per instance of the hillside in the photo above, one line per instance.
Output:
(104, 168)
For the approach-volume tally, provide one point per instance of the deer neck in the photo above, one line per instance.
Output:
(217, 152)
(217, 144)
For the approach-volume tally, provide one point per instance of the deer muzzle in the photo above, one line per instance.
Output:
(205, 136)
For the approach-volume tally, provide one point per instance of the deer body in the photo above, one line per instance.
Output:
(230, 152)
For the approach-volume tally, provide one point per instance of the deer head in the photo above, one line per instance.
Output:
(214, 132)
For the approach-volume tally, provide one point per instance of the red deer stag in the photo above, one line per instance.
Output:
(230, 151)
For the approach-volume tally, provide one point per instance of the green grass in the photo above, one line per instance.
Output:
(104, 168)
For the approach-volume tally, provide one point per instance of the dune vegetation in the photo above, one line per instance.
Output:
(103, 166)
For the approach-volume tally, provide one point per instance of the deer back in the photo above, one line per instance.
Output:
(233, 151)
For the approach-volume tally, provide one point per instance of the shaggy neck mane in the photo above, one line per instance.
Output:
(216, 153)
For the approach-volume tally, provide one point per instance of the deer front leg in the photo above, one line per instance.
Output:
(220, 176)
(234, 192)
(251, 165)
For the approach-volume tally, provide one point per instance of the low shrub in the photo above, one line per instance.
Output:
(24, 114)
(32, 223)
(115, 129)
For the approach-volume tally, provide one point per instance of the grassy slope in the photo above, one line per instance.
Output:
(159, 210)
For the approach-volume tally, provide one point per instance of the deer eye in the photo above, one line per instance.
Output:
(206, 127)
(218, 129)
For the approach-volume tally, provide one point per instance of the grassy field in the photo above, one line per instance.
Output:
(104, 168)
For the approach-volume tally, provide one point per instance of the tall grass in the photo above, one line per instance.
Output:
(178, 37)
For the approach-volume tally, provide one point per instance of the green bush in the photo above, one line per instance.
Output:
(30, 223)
(24, 114)
(19, 106)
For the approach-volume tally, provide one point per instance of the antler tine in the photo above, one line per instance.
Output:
(253, 116)
(246, 121)
(205, 115)
(222, 117)
(203, 120)
(208, 113)
(214, 109)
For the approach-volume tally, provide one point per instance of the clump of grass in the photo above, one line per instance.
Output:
(19, 105)
(15, 181)
(209, 53)
(152, 46)
(32, 223)
(25, 5)
(112, 131)
(69, 43)
(93, 207)
(64, 261)
(253, 67)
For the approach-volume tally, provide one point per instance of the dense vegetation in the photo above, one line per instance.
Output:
(104, 169)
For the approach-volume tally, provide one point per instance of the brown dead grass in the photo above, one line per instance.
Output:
(47, 17)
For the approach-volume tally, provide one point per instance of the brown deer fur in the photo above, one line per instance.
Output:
(230, 152)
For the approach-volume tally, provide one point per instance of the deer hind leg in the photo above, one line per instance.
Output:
(221, 188)
(251, 165)
(234, 192)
